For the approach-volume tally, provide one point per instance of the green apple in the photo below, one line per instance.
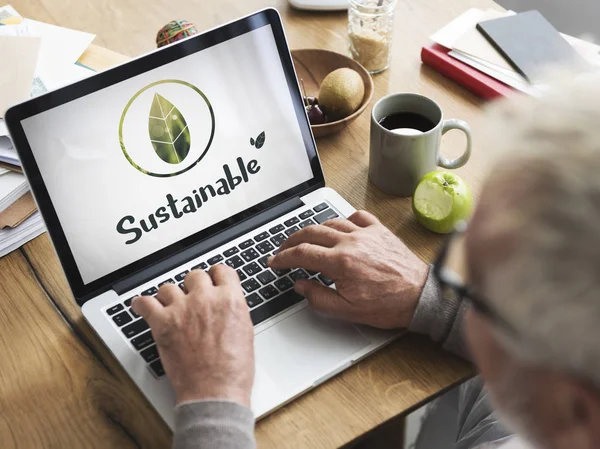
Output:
(441, 200)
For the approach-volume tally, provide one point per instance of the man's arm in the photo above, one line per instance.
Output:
(380, 282)
(441, 318)
(477, 425)
(462, 419)
(213, 425)
(206, 343)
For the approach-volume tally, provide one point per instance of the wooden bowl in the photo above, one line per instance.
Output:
(312, 66)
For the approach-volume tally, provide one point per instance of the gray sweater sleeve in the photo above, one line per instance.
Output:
(440, 317)
(213, 425)
(465, 413)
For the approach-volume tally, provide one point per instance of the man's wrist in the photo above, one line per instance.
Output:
(213, 423)
(434, 314)
(229, 393)
(410, 298)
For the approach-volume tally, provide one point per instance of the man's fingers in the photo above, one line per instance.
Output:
(223, 275)
(341, 224)
(168, 294)
(197, 279)
(148, 307)
(324, 299)
(363, 219)
(305, 255)
(315, 235)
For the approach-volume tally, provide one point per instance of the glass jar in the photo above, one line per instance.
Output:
(370, 31)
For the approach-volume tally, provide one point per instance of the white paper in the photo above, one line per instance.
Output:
(19, 54)
(10, 182)
(8, 11)
(473, 43)
(450, 33)
(588, 50)
(506, 72)
(3, 128)
(13, 238)
(52, 80)
(508, 79)
(3, 171)
(61, 47)
(9, 157)
(8, 153)
(12, 187)
(15, 30)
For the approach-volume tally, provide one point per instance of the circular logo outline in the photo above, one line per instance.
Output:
(129, 103)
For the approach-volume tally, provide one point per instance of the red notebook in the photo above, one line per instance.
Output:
(482, 85)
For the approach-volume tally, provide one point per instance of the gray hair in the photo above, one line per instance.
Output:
(538, 227)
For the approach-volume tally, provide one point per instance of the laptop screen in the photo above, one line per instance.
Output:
(146, 162)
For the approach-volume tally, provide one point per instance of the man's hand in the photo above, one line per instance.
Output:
(378, 279)
(205, 337)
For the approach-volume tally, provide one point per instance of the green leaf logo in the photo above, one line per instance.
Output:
(169, 133)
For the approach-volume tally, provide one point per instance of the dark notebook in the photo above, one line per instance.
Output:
(530, 44)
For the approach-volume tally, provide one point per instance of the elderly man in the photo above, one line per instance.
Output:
(523, 283)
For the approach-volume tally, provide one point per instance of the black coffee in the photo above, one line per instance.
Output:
(403, 120)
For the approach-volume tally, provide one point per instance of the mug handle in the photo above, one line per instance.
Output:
(462, 160)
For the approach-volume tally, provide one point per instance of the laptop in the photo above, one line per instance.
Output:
(196, 154)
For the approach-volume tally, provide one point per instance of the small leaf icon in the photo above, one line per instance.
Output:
(169, 133)
(251, 141)
(260, 140)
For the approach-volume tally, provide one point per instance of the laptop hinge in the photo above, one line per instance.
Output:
(207, 245)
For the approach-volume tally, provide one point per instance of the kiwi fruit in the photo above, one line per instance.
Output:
(341, 93)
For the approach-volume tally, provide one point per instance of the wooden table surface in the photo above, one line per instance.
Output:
(60, 387)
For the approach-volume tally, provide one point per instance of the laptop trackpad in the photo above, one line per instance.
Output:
(305, 347)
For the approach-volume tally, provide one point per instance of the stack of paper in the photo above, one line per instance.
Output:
(8, 154)
(13, 238)
(19, 219)
(12, 187)
(467, 45)
(36, 58)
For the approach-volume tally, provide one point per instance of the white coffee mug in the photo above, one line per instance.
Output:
(399, 159)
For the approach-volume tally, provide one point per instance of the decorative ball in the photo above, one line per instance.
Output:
(174, 31)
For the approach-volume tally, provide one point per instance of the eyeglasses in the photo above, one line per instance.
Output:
(450, 279)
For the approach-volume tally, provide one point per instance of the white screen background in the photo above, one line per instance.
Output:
(92, 185)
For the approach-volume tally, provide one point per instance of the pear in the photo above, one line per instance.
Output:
(341, 93)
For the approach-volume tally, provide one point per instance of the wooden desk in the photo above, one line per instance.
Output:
(60, 387)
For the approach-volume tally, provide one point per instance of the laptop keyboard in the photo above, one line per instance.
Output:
(268, 292)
